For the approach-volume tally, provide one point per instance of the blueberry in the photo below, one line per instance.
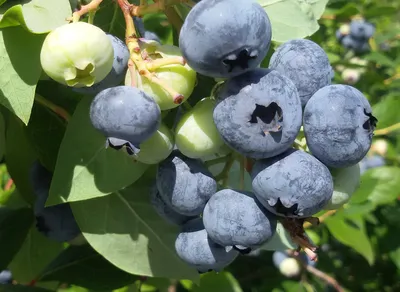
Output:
(55, 222)
(235, 218)
(224, 38)
(195, 247)
(292, 184)
(5, 277)
(278, 257)
(148, 35)
(258, 113)
(359, 46)
(166, 211)
(185, 184)
(288, 266)
(305, 63)
(117, 73)
(361, 30)
(126, 116)
(339, 125)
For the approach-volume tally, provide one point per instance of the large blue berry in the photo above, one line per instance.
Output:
(224, 38)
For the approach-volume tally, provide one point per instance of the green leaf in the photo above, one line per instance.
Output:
(72, 264)
(85, 169)
(20, 156)
(2, 136)
(395, 257)
(14, 227)
(130, 234)
(20, 288)
(46, 131)
(221, 282)
(351, 232)
(378, 185)
(20, 70)
(386, 111)
(380, 59)
(291, 19)
(35, 254)
(110, 19)
(38, 16)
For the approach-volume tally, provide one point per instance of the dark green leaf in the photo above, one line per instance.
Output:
(20, 156)
(14, 227)
(73, 264)
(125, 229)
(46, 131)
(85, 169)
(351, 232)
(35, 254)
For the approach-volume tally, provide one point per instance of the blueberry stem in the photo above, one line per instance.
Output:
(387, 130)
(91, 15)
(216, 161)
(155, 64)
(323, 276)
(242, 163)
(53, 107)
(321, 218)
(224, 175)
(84, 9)
(174, 18)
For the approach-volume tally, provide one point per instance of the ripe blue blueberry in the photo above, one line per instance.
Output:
(55, 222)
(195, 247)
(305, 63)
(223, 38)
(258, 113)
(339, 125)
(126, 116)
(292, 184)
(166, 211)
(235, 218)
(185, 184)
(361, 30)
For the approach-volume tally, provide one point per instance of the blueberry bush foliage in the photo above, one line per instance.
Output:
(124, 244)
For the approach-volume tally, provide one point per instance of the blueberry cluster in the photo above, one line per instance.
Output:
(355, 36)
(258, 113)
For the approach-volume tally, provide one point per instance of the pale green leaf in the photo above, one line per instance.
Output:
(221, 282)
(378, 185)
(126, 230)
(20, 70)
(291, 19)
(85, 169)
(38, 16)
(351, 232)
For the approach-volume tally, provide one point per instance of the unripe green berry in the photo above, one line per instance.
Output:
(157, 148)
(77, 54)
(345, 183)
(196, 135)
